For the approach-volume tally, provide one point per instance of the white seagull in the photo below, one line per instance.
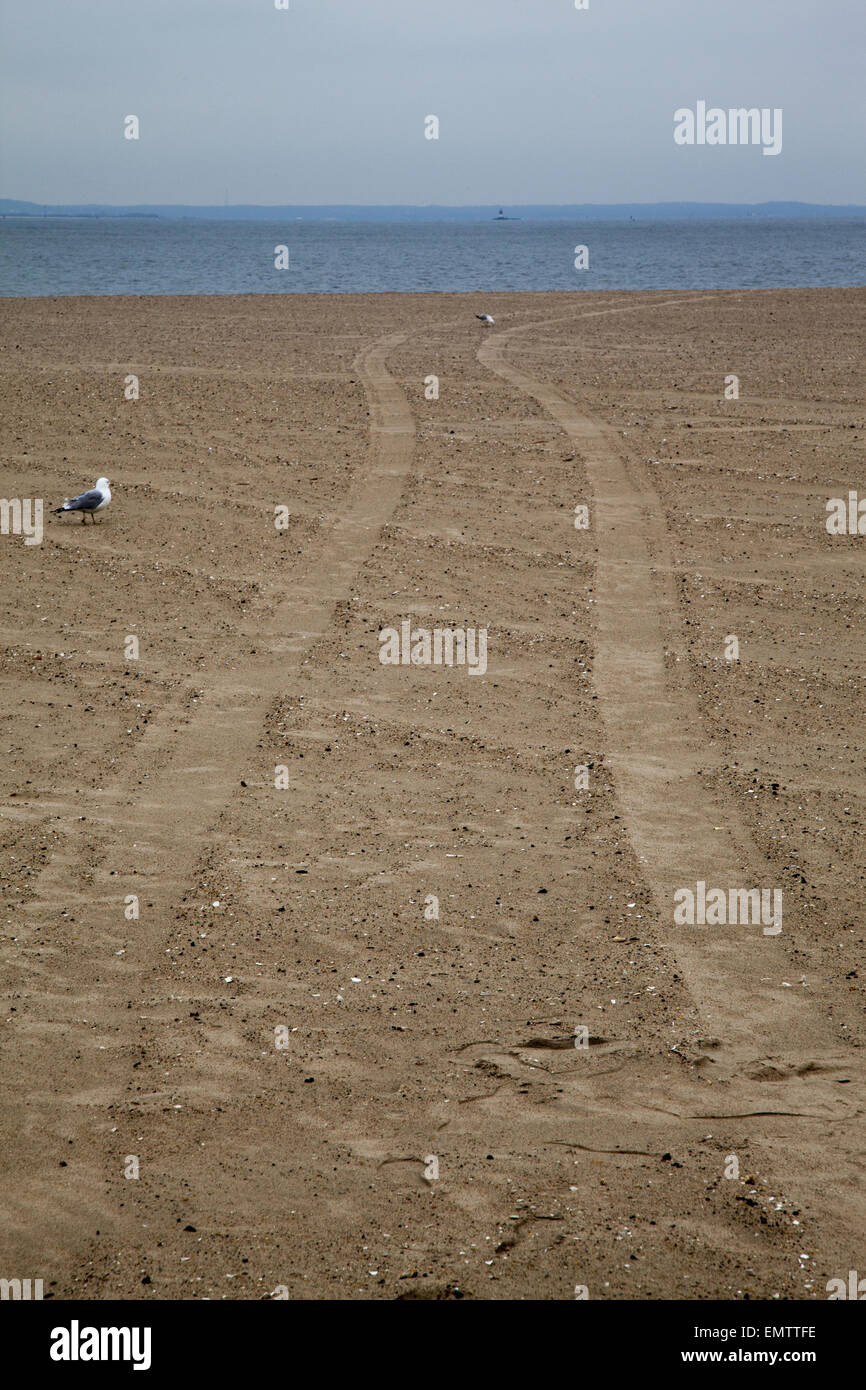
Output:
(88, 503)
(486, 318)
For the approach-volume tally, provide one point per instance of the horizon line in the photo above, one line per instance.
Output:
(664, 202)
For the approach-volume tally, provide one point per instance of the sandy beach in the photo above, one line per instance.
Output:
(330, 978)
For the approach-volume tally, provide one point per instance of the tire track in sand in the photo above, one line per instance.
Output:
(77, 1026)
(653, 729)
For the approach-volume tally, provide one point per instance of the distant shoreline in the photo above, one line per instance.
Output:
(539, 212)
(503, 301)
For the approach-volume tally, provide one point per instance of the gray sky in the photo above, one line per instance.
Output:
(325, 103)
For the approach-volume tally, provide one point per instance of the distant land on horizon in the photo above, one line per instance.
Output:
(346, 212)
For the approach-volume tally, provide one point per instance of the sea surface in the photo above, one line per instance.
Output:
(140, 255)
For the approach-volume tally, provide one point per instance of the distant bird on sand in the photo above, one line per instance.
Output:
(486, 318)
(88, 503)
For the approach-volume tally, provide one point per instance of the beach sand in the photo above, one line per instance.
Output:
(286, 1036)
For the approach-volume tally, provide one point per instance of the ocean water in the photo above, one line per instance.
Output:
(131, 255)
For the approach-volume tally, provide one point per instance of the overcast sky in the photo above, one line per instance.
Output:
(325, 103)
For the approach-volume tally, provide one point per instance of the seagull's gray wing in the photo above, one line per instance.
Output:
(85, 502)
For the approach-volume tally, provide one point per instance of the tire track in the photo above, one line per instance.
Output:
(654, 750)
(115, 843)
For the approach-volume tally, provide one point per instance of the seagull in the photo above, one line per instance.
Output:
(88, 503)
(486, 318)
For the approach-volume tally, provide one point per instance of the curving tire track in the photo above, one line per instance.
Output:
(151, 844)
(659, 763)
(654, 743)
